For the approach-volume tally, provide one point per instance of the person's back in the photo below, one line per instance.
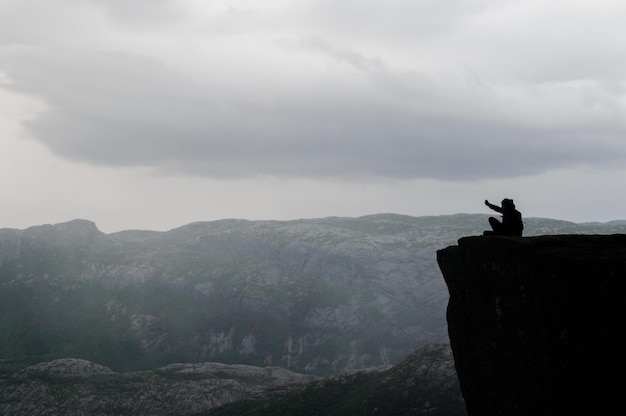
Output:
(512, 222)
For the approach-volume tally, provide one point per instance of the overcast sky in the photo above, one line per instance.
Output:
(151, 114)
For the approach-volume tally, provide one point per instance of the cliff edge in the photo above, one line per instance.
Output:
(537, 325)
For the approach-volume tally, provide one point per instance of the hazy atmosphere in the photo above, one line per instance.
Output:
(155, 113)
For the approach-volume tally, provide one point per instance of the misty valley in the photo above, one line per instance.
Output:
(222, 312)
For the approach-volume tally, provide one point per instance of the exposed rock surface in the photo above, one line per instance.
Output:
(538, 325)
(318, 296)
(78, 387)
(62, 369)
(425, 383)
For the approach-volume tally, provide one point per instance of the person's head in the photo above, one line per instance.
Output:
(508, 204)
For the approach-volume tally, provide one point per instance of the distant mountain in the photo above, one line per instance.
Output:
(318, 296)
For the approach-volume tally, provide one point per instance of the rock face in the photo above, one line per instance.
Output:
(423, 384)
(79, 387)
(538, 324)
(318, 296)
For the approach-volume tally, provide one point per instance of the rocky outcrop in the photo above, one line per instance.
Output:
(538, 325)
(62, 370)
(79, 387)
(423, 384)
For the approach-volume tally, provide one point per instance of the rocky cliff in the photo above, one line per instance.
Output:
(538, 324)
(318, 296)
(315, 296)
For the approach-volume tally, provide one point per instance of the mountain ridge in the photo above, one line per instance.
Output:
(321, 297)
(86, 223)
(312, 295)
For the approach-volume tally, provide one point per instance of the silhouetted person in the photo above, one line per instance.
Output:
(511, 219)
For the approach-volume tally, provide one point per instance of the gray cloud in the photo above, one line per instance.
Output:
(328, 105)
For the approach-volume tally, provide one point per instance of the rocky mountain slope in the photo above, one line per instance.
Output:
(316, 296)
(78, 387)
(424, 383)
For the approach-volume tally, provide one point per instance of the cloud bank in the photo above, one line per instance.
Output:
(452, 90)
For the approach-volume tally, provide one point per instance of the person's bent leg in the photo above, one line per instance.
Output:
(496, 225)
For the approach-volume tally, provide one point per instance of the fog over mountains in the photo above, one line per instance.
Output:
(317, 296)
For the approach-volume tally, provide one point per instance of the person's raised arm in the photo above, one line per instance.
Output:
(493, 207)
